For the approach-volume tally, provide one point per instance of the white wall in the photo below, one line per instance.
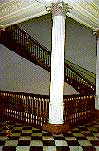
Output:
(20, 75)
(80, 45)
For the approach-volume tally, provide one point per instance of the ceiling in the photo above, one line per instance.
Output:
(15, 11)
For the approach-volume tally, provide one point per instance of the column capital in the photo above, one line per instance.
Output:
(59, 9)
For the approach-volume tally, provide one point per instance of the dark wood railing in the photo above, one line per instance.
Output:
(21, 42)
(28, 43)
(79, 109)
(34, 109)
(24, 107)
(78, 81)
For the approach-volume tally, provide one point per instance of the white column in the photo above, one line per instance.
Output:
(57, 66)
(97, 74)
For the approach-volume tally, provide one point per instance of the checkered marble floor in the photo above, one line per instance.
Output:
(26, 138)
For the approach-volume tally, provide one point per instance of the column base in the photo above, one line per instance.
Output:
(56, 128)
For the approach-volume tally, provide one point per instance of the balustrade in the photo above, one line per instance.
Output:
(34, 109)
(43, 56)
(25, 107)
(78, 108)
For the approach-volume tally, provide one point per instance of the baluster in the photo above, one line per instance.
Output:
(15, 34)
(45, 57)
(72, 75)
(20, 99)
(67, 72)
(48, 60)
(28, 43)
(42, 54)
(37, 51)
(18, 36)
(32, 48)
(46, 109)
(35, 110)
(16, 105)
(40, 111)
(21, 38)
(25, 39)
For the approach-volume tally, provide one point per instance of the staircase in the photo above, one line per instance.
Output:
(19, 41)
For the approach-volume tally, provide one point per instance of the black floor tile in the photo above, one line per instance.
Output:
(72, 143)
(36, 148)
(27, 128)
(48, 143)
(75, 131)
(59, 138)
(36, 131)
(87, 134)
(83, 129)
(23, 143)
(16, 131)
(9, 148)
(36, 137)
(62, 148)
(2, 142)
(4, 134)
(68, 135)
(81, 138)
(89, 148)
(47, 134)
(13, 137)
(25, 134)
(95, 142)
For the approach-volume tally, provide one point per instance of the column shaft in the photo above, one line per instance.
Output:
(57, 70)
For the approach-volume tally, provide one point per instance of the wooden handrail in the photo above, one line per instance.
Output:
(41, 53)
(34, 108)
